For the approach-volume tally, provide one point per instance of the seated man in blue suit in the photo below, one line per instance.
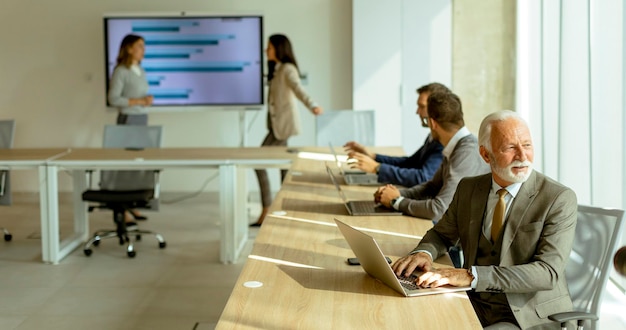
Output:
(404, 171)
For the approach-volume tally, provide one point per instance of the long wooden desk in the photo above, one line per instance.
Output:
(299, 256)
(16, 159)
(231, 163)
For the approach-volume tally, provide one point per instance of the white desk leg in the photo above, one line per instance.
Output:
(78, 237)
(233, 215)
(81, 223)
(49, 204)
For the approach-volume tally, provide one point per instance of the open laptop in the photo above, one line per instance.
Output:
(354, 177)
(360, 207)
(374, 263)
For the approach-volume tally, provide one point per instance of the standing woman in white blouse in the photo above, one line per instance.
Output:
(128, 88)
(282, 119)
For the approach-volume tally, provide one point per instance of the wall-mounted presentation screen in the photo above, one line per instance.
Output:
(195, 60)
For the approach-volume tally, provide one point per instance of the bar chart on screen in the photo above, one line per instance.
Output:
(195, 60)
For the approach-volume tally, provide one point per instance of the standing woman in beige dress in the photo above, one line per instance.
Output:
(282, 113)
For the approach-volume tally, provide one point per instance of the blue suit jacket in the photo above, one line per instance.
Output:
(411, 171)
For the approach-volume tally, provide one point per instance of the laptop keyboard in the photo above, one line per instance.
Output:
(408, 282)
(361, 179)
(362, 206)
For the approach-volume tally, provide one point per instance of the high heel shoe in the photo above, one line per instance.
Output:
(261, 218)
(137, 216)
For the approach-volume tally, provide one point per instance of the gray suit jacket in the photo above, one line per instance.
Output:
(282, 104)
(430, 199)
(537, 241)
(126, 84)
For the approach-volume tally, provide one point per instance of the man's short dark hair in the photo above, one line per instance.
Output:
(446, 109)
(433, 88)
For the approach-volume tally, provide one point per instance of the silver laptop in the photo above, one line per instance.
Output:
(374, 263)
(354, 177)
(360, 207)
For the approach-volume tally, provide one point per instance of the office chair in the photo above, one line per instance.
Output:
(341, 126)
(122, 191)
(7, 132)
(589, 265)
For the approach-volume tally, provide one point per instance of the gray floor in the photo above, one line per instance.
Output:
(180, 287)
(183, 286)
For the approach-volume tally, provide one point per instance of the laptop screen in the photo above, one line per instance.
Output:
(337, 162)
(334, 180)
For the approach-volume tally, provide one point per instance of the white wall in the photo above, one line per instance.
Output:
(399, 46)
(427, 57)
(377, 65)
(52, 75)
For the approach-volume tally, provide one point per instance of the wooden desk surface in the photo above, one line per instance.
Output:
(29, 156)
(300, 257)
(270, 153)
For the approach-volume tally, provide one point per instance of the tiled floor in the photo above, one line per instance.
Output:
(183, 286)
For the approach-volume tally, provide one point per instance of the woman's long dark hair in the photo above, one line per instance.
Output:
(284, 53)
(124, 58)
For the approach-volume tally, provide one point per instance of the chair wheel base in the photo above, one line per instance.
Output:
(124, 238)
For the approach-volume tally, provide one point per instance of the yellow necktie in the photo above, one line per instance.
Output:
(498, 215)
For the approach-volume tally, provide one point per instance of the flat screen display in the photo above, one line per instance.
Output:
(194, 60)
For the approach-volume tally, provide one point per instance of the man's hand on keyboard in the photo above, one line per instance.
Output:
(405, 266)
(445, 276)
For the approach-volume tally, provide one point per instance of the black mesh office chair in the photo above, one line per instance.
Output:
(589, 265)
(7, 132)
(122, 191)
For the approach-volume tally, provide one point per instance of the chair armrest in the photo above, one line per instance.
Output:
(573, 316)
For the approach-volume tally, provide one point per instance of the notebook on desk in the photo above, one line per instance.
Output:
(360, 207)
(354, 177)
(374, 263)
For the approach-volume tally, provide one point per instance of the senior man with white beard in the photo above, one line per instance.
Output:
(517, 271)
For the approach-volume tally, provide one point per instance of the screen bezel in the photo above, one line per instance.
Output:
(184, 15)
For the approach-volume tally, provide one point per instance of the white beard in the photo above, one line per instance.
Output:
(506, 173)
